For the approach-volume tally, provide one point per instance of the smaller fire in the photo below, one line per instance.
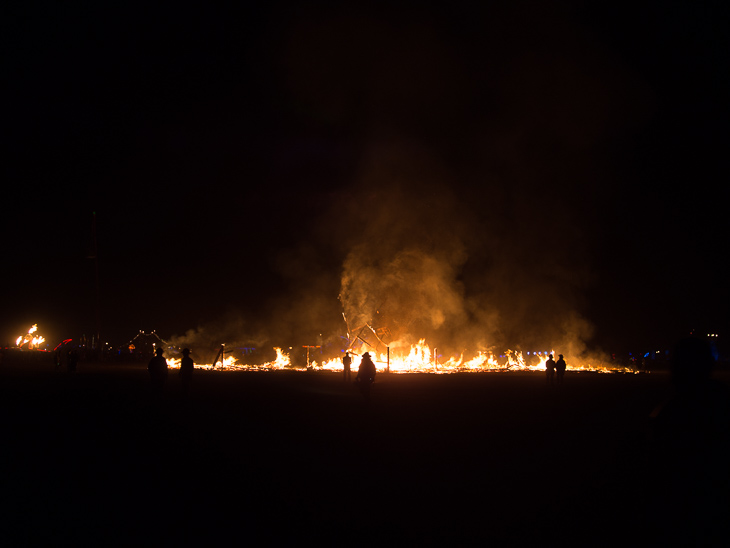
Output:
(230, 363)
(32, 339)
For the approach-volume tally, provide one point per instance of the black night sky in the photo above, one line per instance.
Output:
(549, 161)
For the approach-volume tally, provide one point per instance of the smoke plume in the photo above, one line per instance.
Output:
(425, 262)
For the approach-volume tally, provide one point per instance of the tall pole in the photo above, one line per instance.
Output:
(97, 304)
(221, 354)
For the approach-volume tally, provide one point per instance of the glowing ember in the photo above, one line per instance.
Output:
(32, 339)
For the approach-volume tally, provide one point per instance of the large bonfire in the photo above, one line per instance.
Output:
(420, 358)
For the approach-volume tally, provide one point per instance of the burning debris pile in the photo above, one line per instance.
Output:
(425, 288)
(419, 359)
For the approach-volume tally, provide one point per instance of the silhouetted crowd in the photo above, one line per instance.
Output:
(158, 370)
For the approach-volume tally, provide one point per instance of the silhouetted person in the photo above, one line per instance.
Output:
(73, 359)
(186, 370)
(58, 359)
(63, 359)
(346, 363)
(691, 452)
(158, 371)
(549, 370)
(365, 375)
(560, 367)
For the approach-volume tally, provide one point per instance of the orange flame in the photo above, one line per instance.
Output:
(418, 359)
(230, 363)
(31, 341)
(421, 359)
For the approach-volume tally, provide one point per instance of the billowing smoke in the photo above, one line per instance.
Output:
(425, 261)
(411, 293)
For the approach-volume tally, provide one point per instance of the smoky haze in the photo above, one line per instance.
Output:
(205, 341)
(411, 248)
(470, 194)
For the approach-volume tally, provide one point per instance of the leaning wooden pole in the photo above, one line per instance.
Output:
(220, 355)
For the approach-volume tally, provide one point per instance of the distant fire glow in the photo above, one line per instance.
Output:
(32, 339)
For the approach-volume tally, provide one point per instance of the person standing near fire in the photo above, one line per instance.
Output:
(365, 375)
(346, 363)
(158, 371)
(550, 370)
(560, 368)
(186, 370)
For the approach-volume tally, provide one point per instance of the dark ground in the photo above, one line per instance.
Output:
(281, 457)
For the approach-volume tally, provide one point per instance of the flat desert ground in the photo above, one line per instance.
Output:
(272, 458)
